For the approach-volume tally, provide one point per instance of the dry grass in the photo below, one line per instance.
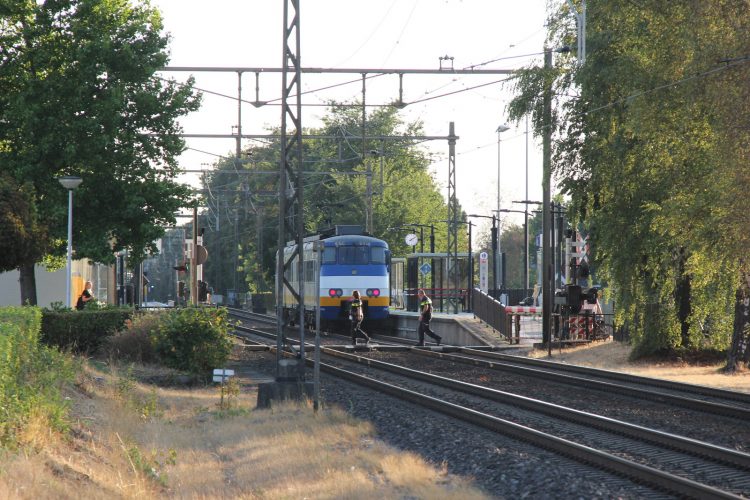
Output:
(135, 441)
(614, 356)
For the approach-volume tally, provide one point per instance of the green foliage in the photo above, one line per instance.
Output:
(31, 375)
(651, 154)
(79, 95)
(133, 343)
(229, 395)
(151, 464)
(194, 340)
(22, 239)
(247, 209)
(83, 331)
(125, 390)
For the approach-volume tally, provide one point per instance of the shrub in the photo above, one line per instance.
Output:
(134, 342)
(31, 375)
(82, 331)
(195, 340)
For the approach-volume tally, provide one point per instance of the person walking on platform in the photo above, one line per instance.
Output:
(425, 316)
(356, 316)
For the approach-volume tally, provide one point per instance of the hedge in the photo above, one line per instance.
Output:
(82, 331)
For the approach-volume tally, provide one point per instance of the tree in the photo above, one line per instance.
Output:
(78, 95)
(21, 239)
(335, 187)
(651, 149)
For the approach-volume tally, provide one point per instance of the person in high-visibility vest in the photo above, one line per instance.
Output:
(425, 316)
(356, 316)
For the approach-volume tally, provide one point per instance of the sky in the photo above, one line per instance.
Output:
(373, 34)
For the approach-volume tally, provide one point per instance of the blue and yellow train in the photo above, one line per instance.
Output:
(350, 261)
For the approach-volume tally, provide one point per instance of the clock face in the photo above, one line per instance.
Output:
(411, 239)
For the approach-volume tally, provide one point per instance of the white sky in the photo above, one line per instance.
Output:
(372, 34)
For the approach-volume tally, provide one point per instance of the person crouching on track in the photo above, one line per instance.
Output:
(425, 316)
(356, 315)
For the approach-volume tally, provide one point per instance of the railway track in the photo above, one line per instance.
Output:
(697, 398)
(680, 465)
(693, 397)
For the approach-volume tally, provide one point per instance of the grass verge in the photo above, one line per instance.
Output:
(135, 440)
(612, 355)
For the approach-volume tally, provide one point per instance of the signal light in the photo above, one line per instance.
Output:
(339, 292)
(376, 292)
(332, 292)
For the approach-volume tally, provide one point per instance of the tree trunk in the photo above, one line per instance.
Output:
(738, 351)
(27, 280)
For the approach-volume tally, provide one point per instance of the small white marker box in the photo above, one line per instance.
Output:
(222, 374)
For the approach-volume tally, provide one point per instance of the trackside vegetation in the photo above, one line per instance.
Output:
(32, 377)
(649, 144)
(34, 371)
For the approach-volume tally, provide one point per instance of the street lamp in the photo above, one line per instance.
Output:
(69, 182)
(496, 246)
(500, 130)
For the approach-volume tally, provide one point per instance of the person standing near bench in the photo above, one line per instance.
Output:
(85, 296)
(425, 316)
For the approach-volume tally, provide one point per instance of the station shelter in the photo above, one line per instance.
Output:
(429, 271)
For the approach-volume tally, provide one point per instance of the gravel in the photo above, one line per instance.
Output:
(500, 466)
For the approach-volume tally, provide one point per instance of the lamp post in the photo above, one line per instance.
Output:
(500, 130)
(496, 245)
(69, 182)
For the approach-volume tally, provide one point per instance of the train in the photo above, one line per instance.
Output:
(351, 260)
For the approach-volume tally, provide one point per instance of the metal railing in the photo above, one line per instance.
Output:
(491, 312)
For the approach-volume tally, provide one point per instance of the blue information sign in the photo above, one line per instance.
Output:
(425, 268)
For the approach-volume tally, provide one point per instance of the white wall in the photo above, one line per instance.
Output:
(50, 286)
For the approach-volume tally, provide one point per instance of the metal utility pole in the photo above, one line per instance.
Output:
(238, 144)
(546, 211)
(193, 262)
(526, 220)
(367, 164)
(452, 255)
(291, 223)
(581, 30)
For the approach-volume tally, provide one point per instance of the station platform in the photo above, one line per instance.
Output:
(462, 329)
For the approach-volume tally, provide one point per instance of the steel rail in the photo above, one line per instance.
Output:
(619, 376)
(576, 451)
(673, 441)
(564, 447)
(685, 402)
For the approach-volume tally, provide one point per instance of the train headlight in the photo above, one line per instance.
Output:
(376, 292)
(339, 292)
(332, 292)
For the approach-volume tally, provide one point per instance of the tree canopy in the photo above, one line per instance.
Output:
(651, 146)
(79, 95)
(241, 195)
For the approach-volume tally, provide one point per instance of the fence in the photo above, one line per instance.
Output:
(491, 312)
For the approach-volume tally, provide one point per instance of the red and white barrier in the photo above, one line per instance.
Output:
(577, 326)
(523, 309)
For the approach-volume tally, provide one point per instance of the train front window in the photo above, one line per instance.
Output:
(353, 255)
(329, 255)
(378, 255)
